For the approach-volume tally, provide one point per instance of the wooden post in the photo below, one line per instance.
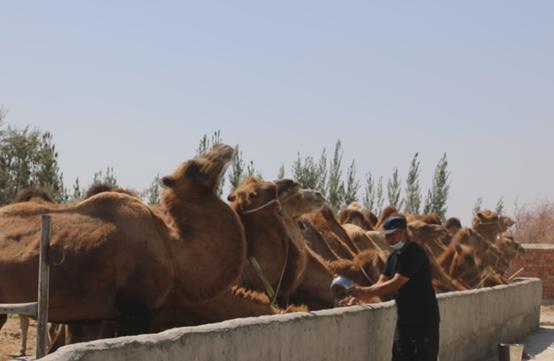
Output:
(43, 282)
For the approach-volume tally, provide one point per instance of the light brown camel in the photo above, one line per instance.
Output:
(490, 225)
(150, 250)
(355, 213)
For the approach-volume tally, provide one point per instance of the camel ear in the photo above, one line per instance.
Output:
(192, 170)
(481, 216)
(168, 181)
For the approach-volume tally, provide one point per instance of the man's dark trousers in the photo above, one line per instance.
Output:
(416, 342)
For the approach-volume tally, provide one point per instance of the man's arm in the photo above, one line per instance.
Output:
(383, 286)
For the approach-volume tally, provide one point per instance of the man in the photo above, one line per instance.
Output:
(408, 275)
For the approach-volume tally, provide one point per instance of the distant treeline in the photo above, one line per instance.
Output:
(28, 157)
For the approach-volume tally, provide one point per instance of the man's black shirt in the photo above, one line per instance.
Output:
(415, 300)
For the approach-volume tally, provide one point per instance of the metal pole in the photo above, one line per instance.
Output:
(43, 281)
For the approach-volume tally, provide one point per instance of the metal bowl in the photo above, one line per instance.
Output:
(340, 285)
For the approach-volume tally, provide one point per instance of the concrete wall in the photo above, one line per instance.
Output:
(538, 261)
(473, 322)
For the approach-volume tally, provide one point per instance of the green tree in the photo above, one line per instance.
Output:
(151, 195)
(352, 186)
(500, 206)
(281, 172)
(28, 158)
(78, 191)
(437, 196)
(107, 178)
(369, 192)
(477, 205)
(394, 189)
(413, 191)
(305, 172)
(322, 173)
(335, 185)
(379, 196)
(236, 173)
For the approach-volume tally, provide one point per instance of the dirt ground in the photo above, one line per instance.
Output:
(10, 335)
(547, 315)
(10, 338)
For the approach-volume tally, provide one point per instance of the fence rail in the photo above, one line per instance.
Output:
(37, 309)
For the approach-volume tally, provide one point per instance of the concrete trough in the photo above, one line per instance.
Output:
(473, 323)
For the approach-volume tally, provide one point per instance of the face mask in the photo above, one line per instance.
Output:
(397, 246)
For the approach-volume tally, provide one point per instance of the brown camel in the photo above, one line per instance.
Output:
(428, 235)
(325, 222)
(464, 260)
(100, 187)
(490, 225)
(150, 249)
(452, 225)
(276, 249)
(355, 213)
(316, 242)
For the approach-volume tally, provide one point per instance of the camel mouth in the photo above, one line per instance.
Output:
(215, 161)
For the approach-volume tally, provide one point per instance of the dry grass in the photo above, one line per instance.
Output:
(535, 223)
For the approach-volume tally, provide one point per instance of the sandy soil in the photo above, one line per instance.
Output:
(547, 315)
(10, 338)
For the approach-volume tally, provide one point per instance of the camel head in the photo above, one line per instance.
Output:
(286, 188)
(505, 223)
(486, 222)
(201, 173)
(453, 225)
(355, 213)
(509, 246)
(262, 196)
(421, 232)
(303, 201)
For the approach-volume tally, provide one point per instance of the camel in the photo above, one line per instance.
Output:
(452, 225)
(151, 249)
(28, 194)
(465, 260)
(355, 213)
(386, 213)
(269, 212)
(325, 222)
(427, 235)
(100, 187)
(314, 290)
(490, 225)
(316, 242)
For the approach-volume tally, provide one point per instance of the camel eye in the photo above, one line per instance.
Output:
(192, 170)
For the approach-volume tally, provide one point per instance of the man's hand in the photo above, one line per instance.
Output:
(348, 301)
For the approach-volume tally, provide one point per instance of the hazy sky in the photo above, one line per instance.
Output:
(134, 85)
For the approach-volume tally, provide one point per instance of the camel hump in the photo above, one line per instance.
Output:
(33, 194)
(99, 187)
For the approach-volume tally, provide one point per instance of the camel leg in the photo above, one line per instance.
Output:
(24, 324)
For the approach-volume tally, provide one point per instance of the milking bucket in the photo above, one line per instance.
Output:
(510, 352)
